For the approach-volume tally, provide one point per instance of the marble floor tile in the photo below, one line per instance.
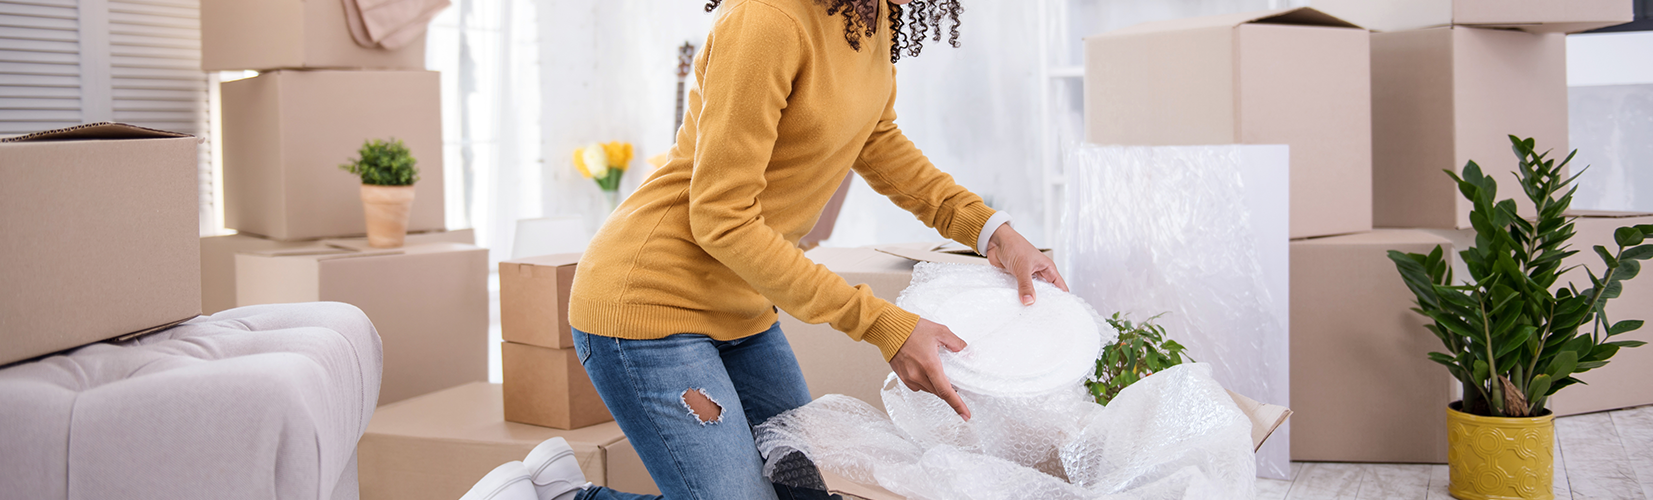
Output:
(1559, 483)
(1327, 481)
(1635, 427)
(1395, 482)
(1440, 478)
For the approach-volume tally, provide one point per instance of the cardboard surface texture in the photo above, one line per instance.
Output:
(533, 300)
(1623, 382)
(1444, 96)
(218, 258)
(1538, 16)
(275, 34)
(548, 387)
(436, 446)
(1295, 76)
(287, 132)
(1362, 386)
(429, 303)
(100, 223)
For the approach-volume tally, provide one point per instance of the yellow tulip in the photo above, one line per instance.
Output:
(579, 163)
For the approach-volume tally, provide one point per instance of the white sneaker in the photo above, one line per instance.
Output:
(554, 471)
(506, 482)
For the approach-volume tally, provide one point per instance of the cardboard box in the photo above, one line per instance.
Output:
(1362, 386)
(438, 445)
(1444, 96)
(548, 387)
(1296, 77)
(429, 303)
(287, 132)
(1623, 383)
(275, 34)
(100, 223)
(1538, 16)
(830, 361)
(533, 300)
(218, 258)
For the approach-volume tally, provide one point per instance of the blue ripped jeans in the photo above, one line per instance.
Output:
(644, 383)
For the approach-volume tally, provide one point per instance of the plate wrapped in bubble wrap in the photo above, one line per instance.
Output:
(1034, 431)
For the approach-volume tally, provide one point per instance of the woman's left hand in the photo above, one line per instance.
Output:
(1008, 250)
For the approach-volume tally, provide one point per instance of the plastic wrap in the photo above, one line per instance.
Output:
(1199, 233)
(1175, 434)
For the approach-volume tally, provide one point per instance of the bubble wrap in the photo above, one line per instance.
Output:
(1173, 435)
(1199, 233)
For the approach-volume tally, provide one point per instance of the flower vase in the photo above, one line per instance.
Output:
(613, 199)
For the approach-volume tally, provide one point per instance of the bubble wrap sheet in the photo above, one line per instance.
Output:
(1034, 433)
(1201, 234)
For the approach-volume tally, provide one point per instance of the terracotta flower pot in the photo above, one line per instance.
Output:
(386, 208)
(1500, 458)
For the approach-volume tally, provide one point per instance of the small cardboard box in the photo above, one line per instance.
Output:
(1362, 386)
(533, 300)
(429, 303)
(1624, 382)
(1296, 77)
(279, 34)
(218, 259)
(548, 387)
(287, 132)
(1444, 96)
(99, 225)
(1537, 16)
(436, 446)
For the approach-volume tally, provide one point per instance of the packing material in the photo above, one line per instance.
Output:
(1444, 96)
(1352, 325)
(287, 132)
(429, 303)
(278, 34)
(548, 387)
(1538, 16)
(100, 222)
(437, 445)
(533, 300)
(218, 258)
(1296, 77)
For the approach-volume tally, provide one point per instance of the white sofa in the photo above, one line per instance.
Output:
(250, 403)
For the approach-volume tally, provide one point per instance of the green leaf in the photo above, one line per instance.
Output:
(1625, 326)
(1639, 252)
(1627, 343)
(1606, 256)
(1539, 387)
(1627, 236)
(1564, 364)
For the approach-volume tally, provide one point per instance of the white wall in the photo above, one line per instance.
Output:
(1610, 103)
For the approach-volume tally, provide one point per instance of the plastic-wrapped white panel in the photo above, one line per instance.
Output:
(1199, 233)
(1612, 129)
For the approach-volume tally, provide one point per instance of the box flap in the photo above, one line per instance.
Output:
(931, 255)
(1265, 418)
(94, 131)
(1300, 16)
(553, 260)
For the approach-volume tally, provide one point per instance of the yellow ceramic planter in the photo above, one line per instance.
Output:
(1498, 458)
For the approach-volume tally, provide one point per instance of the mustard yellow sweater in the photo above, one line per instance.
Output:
(781, 109)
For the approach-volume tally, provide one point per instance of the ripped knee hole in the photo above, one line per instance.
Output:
(701, 406)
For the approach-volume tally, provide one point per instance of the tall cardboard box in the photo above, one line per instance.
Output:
(533, 300)
(434, 447)
(1538, 16)
(548, 387)
(1624, 382)
(1296, 77)
(1362, 386)
(1444, 96)
(429, 303)
(99, 225)
(277, 34)
(287, 132)
(218, 258)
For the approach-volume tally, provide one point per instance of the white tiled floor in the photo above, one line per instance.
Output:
(1605, 455)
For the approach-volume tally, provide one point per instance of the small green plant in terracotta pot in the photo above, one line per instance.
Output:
(388, 172)
(1513, 336)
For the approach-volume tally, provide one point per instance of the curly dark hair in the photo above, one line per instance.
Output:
(909, 25)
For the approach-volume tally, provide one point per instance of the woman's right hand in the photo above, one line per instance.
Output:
(918, 363)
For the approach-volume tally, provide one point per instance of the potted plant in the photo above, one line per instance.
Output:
(388, 172)
(1140, 351)
(1513, 337)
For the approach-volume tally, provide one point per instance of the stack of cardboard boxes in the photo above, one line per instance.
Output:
(1372, 119)
(318, 96)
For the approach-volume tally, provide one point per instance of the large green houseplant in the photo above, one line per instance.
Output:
(1513, 337)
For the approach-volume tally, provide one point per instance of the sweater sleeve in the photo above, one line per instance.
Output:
(895, 168)
(754, 53)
